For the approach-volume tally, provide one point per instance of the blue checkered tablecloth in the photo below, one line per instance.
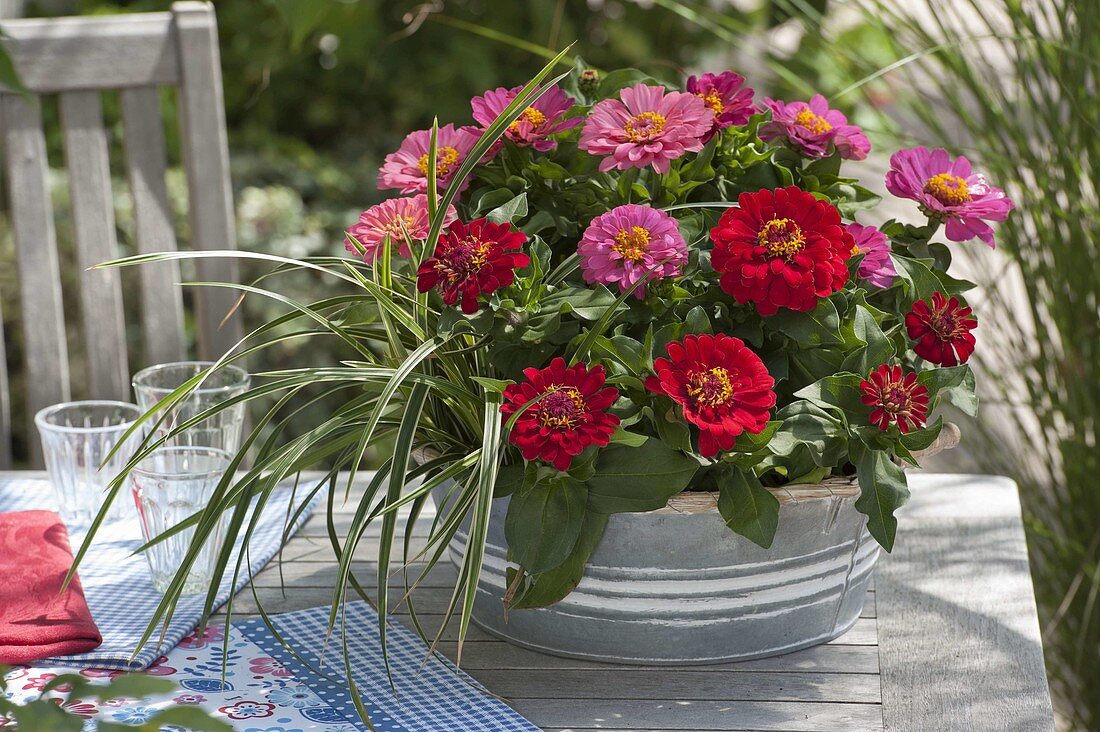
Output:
(116, 581)
(246, 678)
(431, 693)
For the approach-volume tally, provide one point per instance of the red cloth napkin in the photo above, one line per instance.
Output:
(37, 618)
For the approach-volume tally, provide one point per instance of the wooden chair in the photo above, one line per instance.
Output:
(78, 59)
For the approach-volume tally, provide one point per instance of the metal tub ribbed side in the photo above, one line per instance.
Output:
(678, 587)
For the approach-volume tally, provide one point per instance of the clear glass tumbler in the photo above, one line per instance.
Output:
(223, 430)
(170, 485)
(76, 437)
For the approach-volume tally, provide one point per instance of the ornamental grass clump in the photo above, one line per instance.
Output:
(627, 287)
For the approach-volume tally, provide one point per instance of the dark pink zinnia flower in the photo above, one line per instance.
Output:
(723, 388)
(895, 397)
(625, 243)
(535, 124)
(646, 126)
(472, 260)
(726, 96)
(401, 219)
(407, 169)
(571, 416)
(815, 129)
(947, 188)
(940, 330)
(876, 267)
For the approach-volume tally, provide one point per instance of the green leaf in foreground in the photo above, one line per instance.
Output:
(509, 480)
(638, 478)
(543, 523)
(747, 507)
(882, 490)
(552, 585)
(820, 326)
(839, 391)
(510, 211)
(955, 384)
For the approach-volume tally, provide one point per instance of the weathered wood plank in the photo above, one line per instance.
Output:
(206, 162)
(699, 684)
(113, 52)
(636, 714)
(960, 646)
(93, 212)
(45, 353)
(823, 659)
(161, 299)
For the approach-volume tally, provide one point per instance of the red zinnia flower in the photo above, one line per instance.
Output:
(568, 419)
(723, 387)
(781, 249)
(473, 259)
(940, 330)
(895, 397)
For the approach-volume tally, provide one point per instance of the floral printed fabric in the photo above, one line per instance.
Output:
(258, 695)
(267, 689)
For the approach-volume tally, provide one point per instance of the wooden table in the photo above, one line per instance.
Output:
(949, 638)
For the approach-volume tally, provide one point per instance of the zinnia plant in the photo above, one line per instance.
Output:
(625, 287)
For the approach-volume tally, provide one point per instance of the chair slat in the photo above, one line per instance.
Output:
(206, 160)
(94, 231)
(65, 54)
(161, 300)
(45, 354)
(5, 405)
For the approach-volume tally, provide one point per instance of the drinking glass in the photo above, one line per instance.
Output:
(223, 430)
(170, 485)
(76, 437)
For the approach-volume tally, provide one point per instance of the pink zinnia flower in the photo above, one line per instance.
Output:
(649, 126)
(625, 243)
(536, 124)
(876, 267)
(725, 95)
(814, 128)
(401, 219)
(407, 169)
(946, 187)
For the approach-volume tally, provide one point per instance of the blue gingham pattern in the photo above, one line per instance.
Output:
(432, 695)
(117, 586)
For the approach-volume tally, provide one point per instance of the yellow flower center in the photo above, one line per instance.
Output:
(710, 388)
(446, 158)
(644, 127)
(950, 190)
(812, 122)
(562, 408)
(632, 244)
(398, 227)
(713, 100)
(532, 115)
(781, 237)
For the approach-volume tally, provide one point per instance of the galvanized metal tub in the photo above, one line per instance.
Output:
(676, 586)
